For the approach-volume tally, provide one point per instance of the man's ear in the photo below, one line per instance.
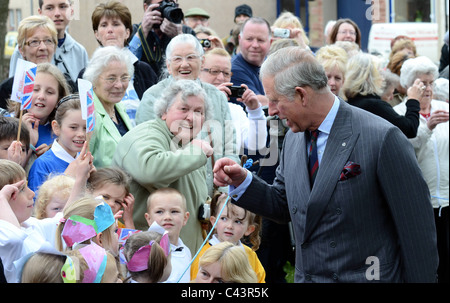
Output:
(301, 94)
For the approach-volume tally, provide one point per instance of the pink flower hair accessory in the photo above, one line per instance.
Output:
(96, 258)
(78, 229)
(139, 261)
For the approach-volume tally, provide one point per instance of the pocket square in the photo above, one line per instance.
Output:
(351, 169)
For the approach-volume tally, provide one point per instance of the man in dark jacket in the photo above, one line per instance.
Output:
(153, 34)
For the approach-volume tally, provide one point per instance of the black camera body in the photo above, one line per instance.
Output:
(205, 43)
(237, 91)
(170, 11)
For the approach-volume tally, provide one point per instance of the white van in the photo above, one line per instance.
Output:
(424, 35)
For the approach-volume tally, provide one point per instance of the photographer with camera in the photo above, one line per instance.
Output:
(161, 22)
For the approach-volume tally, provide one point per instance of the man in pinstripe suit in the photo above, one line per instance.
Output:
(368, 215)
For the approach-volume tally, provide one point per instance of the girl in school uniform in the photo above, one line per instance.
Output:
(70, 128)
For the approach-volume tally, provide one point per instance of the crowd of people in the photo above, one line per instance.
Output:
(219, 160)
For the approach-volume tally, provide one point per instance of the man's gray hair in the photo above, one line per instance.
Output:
(291, 67)
(101, 59)
(184, 38)
(414, 68)
(186, 88)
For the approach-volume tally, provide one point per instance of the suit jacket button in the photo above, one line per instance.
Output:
(338, 211)
(308, 277)
(294, 210)
(335, 277)
(332, 244)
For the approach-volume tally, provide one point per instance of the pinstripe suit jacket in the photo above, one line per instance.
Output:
(339, 226)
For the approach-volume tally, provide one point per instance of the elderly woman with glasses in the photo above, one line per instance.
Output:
(184, 60)
(166, 152)
(432, 148)
(37, 38)
(109, 71)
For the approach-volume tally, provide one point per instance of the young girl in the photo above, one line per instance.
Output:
(147, 257)
(234, 224)
(113, 184)
(49, 87)
(86, 220)
(53, 196)
(225, 263)
(70, 128)
(76, 266)
(21, 234)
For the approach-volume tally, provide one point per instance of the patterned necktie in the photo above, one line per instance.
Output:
(313, 162)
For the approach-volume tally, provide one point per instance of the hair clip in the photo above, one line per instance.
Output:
(68, 272)
(75, 96)
(78, 229)
(139, 261)
(96, 258)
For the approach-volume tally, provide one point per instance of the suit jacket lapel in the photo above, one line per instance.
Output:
(340, 144)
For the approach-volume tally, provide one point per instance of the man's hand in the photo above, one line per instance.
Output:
(151, 18)
(227, 172)
(171, 29)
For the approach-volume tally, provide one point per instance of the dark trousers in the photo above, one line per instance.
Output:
(443, 238)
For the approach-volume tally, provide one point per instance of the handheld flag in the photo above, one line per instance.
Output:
(23, 85)
(86, 93)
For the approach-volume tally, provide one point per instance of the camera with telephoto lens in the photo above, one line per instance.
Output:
(170, 11)
(205, 43)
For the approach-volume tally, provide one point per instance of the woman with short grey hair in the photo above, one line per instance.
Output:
(184, 60)
(432, 149)
(109, 71)
(166, 152)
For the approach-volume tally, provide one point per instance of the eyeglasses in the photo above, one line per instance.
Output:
(188, 58)
(36, 43)
(216, 72)
(113, 80)
(351, 33)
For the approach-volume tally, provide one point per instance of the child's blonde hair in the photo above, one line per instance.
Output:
(84, 207)
(111, 265)
(233, 260)
(43, 268)
(56, 185)
(46, 267)
(11, 172)
(157, 260)
(166, 191)
(255, 238)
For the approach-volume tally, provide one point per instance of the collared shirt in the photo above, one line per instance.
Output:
(324, 128)
(61, 153)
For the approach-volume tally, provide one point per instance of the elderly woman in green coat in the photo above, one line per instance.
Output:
(167, 152)
(109, 71)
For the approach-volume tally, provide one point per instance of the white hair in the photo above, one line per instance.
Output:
(440, 90)
(293, 66)
(101, 59)
(184, 38)
(186, 88)
(414, 68)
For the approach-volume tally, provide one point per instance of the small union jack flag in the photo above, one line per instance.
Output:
(28, 86)
(90, 121)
